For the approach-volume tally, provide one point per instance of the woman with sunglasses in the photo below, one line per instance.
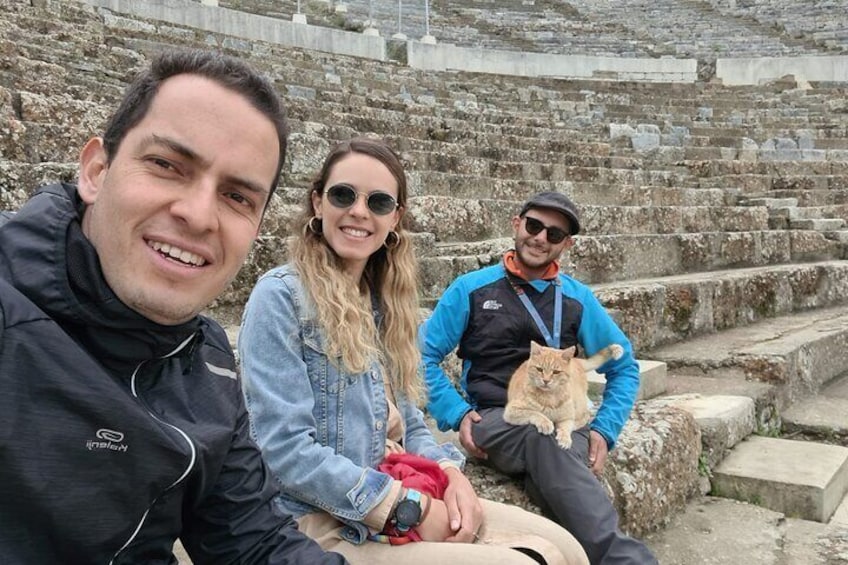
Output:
(330, 364)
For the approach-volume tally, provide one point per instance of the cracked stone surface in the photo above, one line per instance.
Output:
(721, 531)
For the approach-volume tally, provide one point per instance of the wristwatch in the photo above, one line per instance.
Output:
(407, 513)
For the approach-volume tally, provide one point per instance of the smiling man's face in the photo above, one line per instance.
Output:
(174, 214)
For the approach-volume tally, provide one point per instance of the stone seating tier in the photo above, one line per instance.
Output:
(712, 29)
(473, 219)
(407, 109)
(627, 258)
(798, 353)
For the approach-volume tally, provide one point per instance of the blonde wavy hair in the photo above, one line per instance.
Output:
(391, 273)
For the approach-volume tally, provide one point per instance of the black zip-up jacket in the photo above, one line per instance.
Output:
(118, 435)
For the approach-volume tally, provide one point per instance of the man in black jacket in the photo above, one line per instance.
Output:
(123, 423)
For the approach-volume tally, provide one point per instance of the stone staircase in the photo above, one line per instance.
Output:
(714, 229)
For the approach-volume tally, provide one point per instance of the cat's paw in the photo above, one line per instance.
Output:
(545, 426)
(564, 440)
(616, 351)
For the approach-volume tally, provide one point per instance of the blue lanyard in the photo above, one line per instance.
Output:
(551, 341)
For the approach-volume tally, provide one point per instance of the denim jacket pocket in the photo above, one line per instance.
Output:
(328, 383)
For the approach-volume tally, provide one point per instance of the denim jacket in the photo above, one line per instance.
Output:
(322, 430)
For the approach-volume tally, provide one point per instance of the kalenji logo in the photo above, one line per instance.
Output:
(109, 439)
(109, 435)
(492, 305)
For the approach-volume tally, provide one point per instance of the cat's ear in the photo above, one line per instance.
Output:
(535, 348)
(568, 354)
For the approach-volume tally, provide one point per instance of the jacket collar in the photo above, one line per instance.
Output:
(46, 257)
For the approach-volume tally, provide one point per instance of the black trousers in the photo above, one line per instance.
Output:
(560, 482)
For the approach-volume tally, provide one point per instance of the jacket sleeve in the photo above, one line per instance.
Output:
(420, 441)
(438, 336)
(238, 521)
(597, 330)
(281, 402)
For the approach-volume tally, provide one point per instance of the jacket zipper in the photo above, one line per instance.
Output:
(175, 428)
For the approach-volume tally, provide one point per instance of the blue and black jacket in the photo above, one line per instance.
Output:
(482, 314)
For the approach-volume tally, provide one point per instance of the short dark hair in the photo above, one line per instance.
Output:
(222, 69)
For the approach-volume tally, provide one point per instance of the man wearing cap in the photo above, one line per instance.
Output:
(493, 314)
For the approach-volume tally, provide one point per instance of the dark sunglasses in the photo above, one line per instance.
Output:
(554, 234)
(344, 196)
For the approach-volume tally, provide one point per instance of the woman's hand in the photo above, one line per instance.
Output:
(436, 524)
(463, 508)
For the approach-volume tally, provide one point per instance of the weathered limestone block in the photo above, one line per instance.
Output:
(811, 245)
(740, 301)
(649, 476)
(659, 312)
(61, 124)
(306, 154)
(438, 272)
(606, 258)
(775, 247)
(737, 249)
(19, 180)
(267, 252)
(724, 421)
(454, 219)
(668, 219)
(654, 469)
(642, 311)
(279, 216)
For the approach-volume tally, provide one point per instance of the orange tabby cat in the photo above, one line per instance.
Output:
(550, 390)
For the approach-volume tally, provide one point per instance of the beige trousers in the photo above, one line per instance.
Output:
(505, 527)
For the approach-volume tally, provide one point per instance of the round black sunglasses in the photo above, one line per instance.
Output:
(343, 195)
(554, 234)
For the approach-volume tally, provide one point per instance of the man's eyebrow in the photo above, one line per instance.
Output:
(174, 146)
(188, 153)
(247, 184)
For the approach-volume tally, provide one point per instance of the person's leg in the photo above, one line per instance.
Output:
(324, 529)
(561, 482)
(505, 522)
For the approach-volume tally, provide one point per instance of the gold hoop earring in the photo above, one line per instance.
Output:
(318, 228)
(392, 240)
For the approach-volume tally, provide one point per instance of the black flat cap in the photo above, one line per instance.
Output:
(555, 201)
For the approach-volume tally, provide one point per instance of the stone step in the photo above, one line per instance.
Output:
(838, 235)
(770, 203)
(587, 185)
(823, 416)
(801, 479)
(724, 421)
(795, 212)
(609, 258)
(652, 380)
(756, 184)
(764, 396)
(781, 174)
(467, 219)
(798, 353)
(662, 310)
(840, 515)
(814, 197)
(722, 531)
(817, 224)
